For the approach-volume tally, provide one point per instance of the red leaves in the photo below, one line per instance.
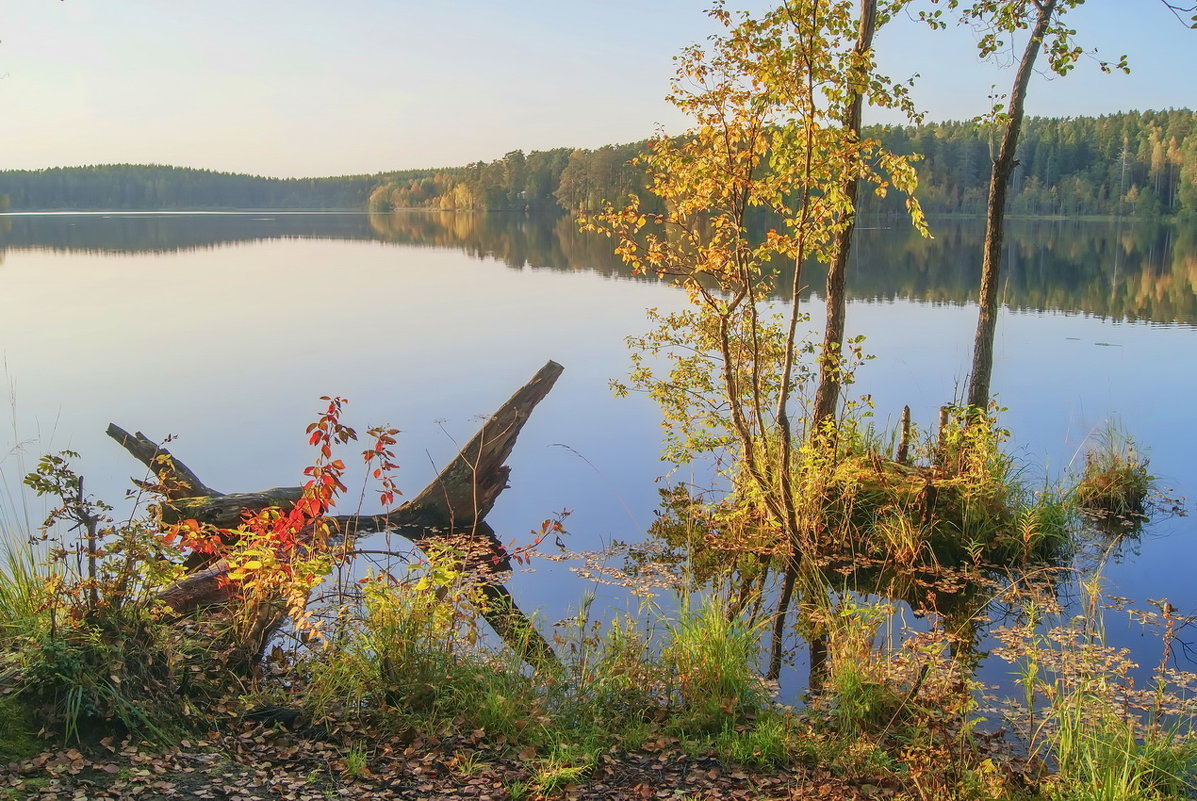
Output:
(195, 537)
(292, 534)
(384, 457)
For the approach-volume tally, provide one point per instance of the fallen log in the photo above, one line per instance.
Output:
(175, 479)
(451, 508)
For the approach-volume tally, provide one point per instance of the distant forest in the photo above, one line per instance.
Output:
(1143, 164)
(158, 188)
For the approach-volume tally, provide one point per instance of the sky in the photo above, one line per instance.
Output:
(313, 87)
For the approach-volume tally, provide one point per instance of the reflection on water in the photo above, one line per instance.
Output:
(224, 328)
(1139, 271)
(169, 232)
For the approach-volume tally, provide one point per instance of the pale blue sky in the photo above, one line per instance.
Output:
(309, 87)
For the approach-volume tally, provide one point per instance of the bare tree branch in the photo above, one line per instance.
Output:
(1178, 9)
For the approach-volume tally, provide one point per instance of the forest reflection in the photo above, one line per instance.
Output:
(1129, 271)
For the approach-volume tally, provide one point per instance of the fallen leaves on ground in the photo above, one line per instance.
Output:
(255, 764)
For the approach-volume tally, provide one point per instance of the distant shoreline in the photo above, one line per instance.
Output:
(232, 212)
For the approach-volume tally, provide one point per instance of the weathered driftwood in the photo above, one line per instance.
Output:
(175, 479)
(451, 508)
(903, 454)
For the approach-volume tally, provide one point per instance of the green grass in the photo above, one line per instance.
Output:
(24, 592)
(357, 761)
(519, 790)
(563, 764)
(23, 621)
(770, 741)
(90, 675)
(30, 789)
(619, 688)
(1105, 755)
(712, 655)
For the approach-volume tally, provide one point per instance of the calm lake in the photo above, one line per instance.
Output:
(225, 329)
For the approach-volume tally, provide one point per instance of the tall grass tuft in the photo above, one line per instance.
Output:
(1104, 754)
(24, 592)
(712, 654)
(399, 653)
(1114, 484)
(24, 595)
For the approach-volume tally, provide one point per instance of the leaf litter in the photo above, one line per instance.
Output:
(256, 763)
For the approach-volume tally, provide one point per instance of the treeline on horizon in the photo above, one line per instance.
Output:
(1141, 164)
(153, 187)
(1137, 163)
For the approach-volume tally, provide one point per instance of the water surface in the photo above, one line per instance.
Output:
(225, 329)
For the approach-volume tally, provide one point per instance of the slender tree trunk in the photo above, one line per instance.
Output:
(828, 394)
(995, 214)
(785, 432)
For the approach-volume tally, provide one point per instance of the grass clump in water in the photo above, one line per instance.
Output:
(1097, 735)
(1114, 484)
(956, 502)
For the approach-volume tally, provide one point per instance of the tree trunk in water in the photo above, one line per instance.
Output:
(816, 680)
(450, 509)
(828, 394)
(995, 215)
(777, 647)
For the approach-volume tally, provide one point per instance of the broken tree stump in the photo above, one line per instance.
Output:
(451, 508)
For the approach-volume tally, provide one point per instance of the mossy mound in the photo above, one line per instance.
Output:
(18, 735)
(934, 517)
(871, 509)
